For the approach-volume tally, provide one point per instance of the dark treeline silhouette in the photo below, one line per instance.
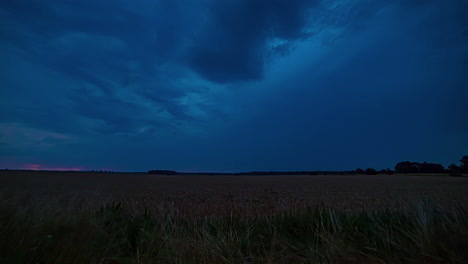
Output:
(406, 167)
(464, 165)
(456, 170)
(169, 172)
(294, 172)
(416, 167)
(400, 167)
(163, 172)
(421, 168)
(370, 171)
(425, 167)
(101, 171)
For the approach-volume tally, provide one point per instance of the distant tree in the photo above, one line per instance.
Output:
(407, 167)
(359, 171)
(416, 167)
(454, 170)
(370, 171)
(162, 172)
(464, 165)
(431, 168)
(387, 171)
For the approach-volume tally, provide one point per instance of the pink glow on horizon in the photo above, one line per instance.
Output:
(41, 167)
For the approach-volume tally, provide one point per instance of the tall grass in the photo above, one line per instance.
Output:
(117, 233)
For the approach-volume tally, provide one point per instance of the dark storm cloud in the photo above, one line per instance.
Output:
(234, 44)
(147, 38)
(396, 90)
(101, 47)
(271, 85)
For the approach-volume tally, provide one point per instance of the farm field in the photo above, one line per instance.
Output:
(78, 217)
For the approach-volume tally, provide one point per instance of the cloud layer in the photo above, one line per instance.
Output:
(232, 85)
(234, 43)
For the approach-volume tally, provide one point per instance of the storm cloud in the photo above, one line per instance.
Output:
(232, 85)
(240, 36)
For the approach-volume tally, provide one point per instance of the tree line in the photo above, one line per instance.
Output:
(418, 167)
(400, 167)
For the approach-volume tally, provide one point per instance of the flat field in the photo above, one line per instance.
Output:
(78, 217)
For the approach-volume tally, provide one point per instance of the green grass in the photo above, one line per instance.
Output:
(425, 233)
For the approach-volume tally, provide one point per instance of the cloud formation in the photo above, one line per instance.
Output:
(234, 44)
(191, 79)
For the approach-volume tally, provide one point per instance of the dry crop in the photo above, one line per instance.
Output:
(55, 217)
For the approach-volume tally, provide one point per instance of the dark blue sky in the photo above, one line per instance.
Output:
(232, 85)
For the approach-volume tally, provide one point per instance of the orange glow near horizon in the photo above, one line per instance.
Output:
(41, 167)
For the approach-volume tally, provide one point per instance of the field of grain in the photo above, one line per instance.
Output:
(76, 217)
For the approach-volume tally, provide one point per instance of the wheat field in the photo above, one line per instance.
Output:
(84, 217)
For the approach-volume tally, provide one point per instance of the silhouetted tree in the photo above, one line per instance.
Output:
(454, 170)
(359, 171)
(431, 168)
(386, 171)
(162, 172)
(464, 165)
(407, 167)
(416, 167)
(370, 171)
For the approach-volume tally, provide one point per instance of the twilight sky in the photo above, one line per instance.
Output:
(232, 85)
